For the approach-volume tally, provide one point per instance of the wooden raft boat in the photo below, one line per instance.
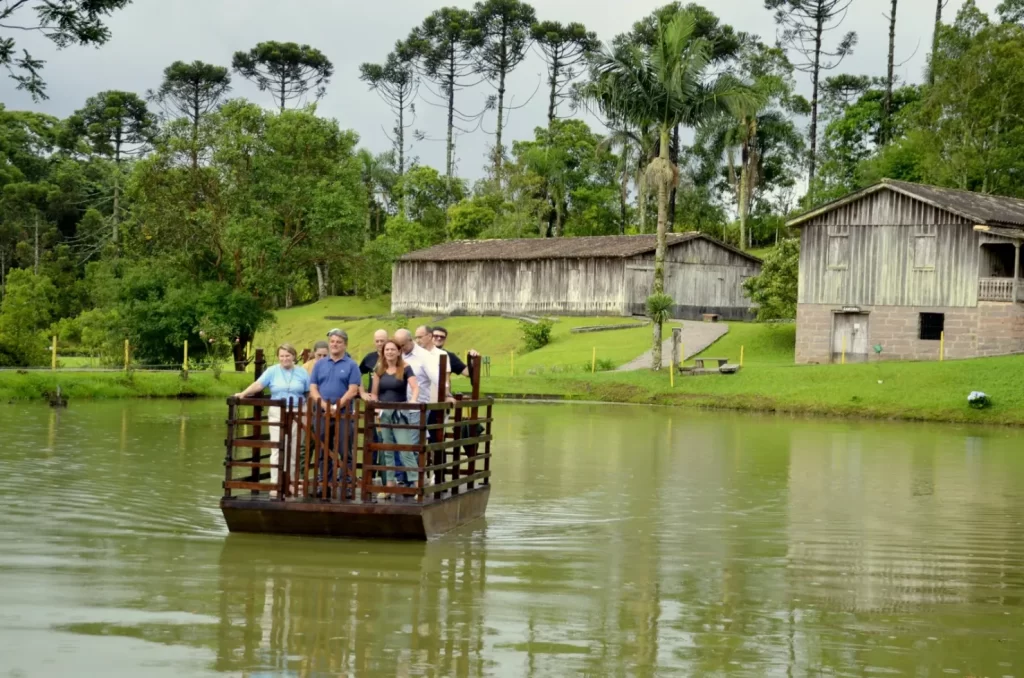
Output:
(453, 465)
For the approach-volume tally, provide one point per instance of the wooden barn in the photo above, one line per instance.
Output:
(906, 271)
(600, 275)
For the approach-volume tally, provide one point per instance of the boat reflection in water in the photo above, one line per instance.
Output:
(392, 608)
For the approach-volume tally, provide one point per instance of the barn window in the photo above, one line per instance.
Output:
(925, 245)
(838, 246)
(932, 326)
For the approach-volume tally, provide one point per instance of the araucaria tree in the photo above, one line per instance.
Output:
(285, 69)
(444, 47)
(63, 22)
(117, 125)
(668, 84)
(191, 91)
(565, 48)
(804, 25)
(504, 27)
(396, 82)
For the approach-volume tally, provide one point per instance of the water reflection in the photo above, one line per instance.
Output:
(398, 609)
(619, 541)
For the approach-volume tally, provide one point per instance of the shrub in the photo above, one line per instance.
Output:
(535, 335)
(659, 307)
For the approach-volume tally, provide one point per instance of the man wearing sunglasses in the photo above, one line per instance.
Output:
(455, 364)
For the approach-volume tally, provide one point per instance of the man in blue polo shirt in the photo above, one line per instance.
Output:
(335, 379)
(335, 384)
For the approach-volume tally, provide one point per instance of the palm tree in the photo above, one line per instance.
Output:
(758, 130)
(665, 85)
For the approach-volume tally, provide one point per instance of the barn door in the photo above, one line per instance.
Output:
(850, 334)
(639, 281)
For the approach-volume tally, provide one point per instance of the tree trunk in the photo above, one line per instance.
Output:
(288, 297)
(623, 200)
(35, 268)
(282, 94)
(742, 207)
(499, 150)
(553, 95)
(815, 74)
(674, 158)
(321, 281)
(117, 199)
(664, 184)
(887, 104)
(656, 342)
(935, 39)
(450, 145)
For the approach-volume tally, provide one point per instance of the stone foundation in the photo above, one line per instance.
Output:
(991, 328)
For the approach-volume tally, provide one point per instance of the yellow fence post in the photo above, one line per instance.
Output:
(125, 355)
(513, 361)
(593, 361)
(184, 362)
(741, 355)
(942, 346)
(53, 354)
(843, 358)
(672, 375)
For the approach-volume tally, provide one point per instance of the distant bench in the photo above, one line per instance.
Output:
(710, 366)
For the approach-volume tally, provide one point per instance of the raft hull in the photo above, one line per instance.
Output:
(382, 520)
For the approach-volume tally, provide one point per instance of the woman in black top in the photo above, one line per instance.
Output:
(394, 382)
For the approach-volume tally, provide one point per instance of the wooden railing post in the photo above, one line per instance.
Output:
(456, 451)
(487, 444)
(229, 443)
(284, 447)
(368, 461)
(439, 456)
(421, 453)
(474, 414)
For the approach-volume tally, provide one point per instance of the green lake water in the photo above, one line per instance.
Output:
(619, 541)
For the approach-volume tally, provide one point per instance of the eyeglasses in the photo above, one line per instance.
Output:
(442, 337)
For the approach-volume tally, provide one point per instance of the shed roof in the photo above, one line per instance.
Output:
(587, 247)
(993, 210)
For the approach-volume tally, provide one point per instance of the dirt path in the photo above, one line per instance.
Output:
(697, 336)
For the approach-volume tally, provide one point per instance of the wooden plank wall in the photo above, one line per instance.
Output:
(879, 255)
(556, 286)
(697, 273)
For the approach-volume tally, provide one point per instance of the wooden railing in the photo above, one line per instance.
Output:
(452, 448)
(996, 289)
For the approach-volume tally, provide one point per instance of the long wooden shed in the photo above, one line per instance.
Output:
(599, 275)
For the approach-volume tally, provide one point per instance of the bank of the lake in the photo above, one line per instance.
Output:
(38, 384)
(921, 391)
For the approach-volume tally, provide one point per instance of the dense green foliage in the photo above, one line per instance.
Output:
(187, 215)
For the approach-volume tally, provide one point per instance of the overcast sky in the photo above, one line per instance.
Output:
(150, 34)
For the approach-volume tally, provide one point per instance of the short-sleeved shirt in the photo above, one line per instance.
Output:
(455, 364)
(367, 365)
(290, 385)
(333, 377)
(419, 360)
(391, 389)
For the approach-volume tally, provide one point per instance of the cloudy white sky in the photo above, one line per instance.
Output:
(150, 34)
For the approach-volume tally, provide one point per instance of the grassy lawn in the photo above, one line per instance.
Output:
(763, 344)
(494, 337)
(769, 381)
(35, 384)
(926, 391)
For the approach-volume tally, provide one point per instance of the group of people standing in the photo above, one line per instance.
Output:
(403, 368)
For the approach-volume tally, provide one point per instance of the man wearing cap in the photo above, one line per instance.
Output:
(335, 384)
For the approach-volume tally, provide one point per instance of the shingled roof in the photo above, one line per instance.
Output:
(589, 247)
(982, 209)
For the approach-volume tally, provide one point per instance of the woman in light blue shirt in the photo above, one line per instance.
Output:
(286, 381)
